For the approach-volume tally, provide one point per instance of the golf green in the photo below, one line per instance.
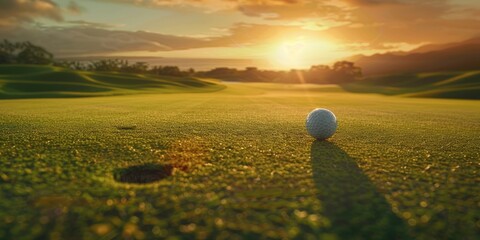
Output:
(238, 163)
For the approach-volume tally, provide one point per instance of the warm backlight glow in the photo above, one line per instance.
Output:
(290, 54)
(301, 53)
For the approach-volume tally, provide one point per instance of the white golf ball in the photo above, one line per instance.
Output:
(321, 123)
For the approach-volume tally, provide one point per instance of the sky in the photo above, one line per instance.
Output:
(285, 33)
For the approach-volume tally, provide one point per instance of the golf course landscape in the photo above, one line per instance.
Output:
(187, 158)
(239, 119)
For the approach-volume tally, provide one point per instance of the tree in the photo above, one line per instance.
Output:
(171, 71)
(348, 69)
(74, 65)
(31, 54)
(5, 58)
(138, 67)
(319, 74)
(108, 65)
(23, 52)
(8, 52)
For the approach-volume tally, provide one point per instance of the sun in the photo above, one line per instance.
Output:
(300, 52)
(289, 54)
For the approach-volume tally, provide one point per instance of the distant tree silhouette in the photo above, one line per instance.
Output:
(346, 71)
(74, 65)
(8, 52)
(319, 74)
(340, 72)
(171, 71)
(32, 54)
(108, 65)
(138, 67)
(24, 53)
(5, 58)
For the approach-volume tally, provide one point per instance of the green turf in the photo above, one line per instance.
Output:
(243, 166)
(459, 85)
(31, 81)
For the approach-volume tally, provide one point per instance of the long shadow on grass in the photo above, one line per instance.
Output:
(352, 203)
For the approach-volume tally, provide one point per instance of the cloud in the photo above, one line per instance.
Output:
(372, 2)
(291, 10)
(383, 26)
(74, 8)
(88, 40)
(13, 12)
(82, 23)
(266, 9)
(240, 34)
(206, 4)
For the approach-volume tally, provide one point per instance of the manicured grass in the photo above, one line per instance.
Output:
(32, 81)
(459, 85)
(243, 166)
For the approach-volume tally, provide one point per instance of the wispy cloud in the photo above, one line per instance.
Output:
(74, 8)
(13, 12)
(88, 40)
(83, 23)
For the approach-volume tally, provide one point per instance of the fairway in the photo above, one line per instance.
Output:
(238, 163)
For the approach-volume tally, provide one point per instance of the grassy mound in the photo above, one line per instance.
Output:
(461, 85)
(28, 81)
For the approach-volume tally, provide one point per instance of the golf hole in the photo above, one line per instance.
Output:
(142, 174)
(132, 127)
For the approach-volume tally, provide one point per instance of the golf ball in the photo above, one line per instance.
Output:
(321, 123)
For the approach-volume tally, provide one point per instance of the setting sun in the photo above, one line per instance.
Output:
(289, 54)
(302, 52)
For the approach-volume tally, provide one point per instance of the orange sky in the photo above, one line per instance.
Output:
(286, 33)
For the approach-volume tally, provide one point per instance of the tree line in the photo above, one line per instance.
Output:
(339, 72)
(120, 65)
(28, 53)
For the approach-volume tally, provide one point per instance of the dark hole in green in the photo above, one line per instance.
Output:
(142, 174)
(133, 127)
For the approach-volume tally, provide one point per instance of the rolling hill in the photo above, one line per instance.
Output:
(459, 85)
(32, 81)
(460, 56)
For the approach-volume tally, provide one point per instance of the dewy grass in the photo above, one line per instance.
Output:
(397, 168)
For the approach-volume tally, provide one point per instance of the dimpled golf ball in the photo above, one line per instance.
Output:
(321, 123)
